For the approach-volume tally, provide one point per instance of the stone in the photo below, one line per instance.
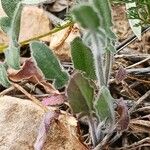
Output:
(19, 126)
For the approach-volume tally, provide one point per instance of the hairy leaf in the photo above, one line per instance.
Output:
(15, 24)
(82, 58)
(86, 16)
(110, 46)
(12, 54)
(80, 94)
(9, 6)
(3, 76)
(12, 57)
(5, 23)
(104, 105)
(48, 64)
(104, 11)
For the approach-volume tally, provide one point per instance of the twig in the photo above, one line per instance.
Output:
(105, 139)
(4, 92)
(139, 71)
(129, 40)
(140, 80)
(37, 96)
(135, 145)
(140, 100)
(133, 57)
(132, 93)
(35, 100)
(138, 63)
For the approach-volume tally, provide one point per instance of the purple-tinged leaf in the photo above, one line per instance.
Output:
(80, 94)
(121, 74)
(45, 126)
(124, 118)
(56, 99)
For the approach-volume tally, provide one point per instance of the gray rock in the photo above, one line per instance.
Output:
(19, 125)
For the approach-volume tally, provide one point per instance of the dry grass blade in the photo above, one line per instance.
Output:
(35, 100)
(7, 91)
(138, 63)
(140, 126)
(140, 100)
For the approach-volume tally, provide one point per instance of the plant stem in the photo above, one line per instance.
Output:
(108, 66)
(3, 47)
(97, 53)
(92, 131)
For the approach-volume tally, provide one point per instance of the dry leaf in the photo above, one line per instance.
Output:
(122, 110)
(65, 135)
(60, 42)
(55, 99)
(121, 74)
(45, 126)
(30, 72)
(34, 22)
(139, 126)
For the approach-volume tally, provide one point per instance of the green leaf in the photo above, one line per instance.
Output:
(48, 64)
(137, 30)
(9, 6)
(110, 47)
(12, 57)
(104, 11)
(82, 58)
(15, 24)
(80, 94)
(12, 54)
(104, 105)
(33, 2)
(5, 23)
(86, 16)
(3, 76)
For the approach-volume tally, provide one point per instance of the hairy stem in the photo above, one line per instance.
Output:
(97, 53)
(108, 66)
(3, 47)
(92, 130)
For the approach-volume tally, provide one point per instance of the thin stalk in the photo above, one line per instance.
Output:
(97, 53)
(92, 131)
(108, 66)
(148, 7)
(3, 47)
